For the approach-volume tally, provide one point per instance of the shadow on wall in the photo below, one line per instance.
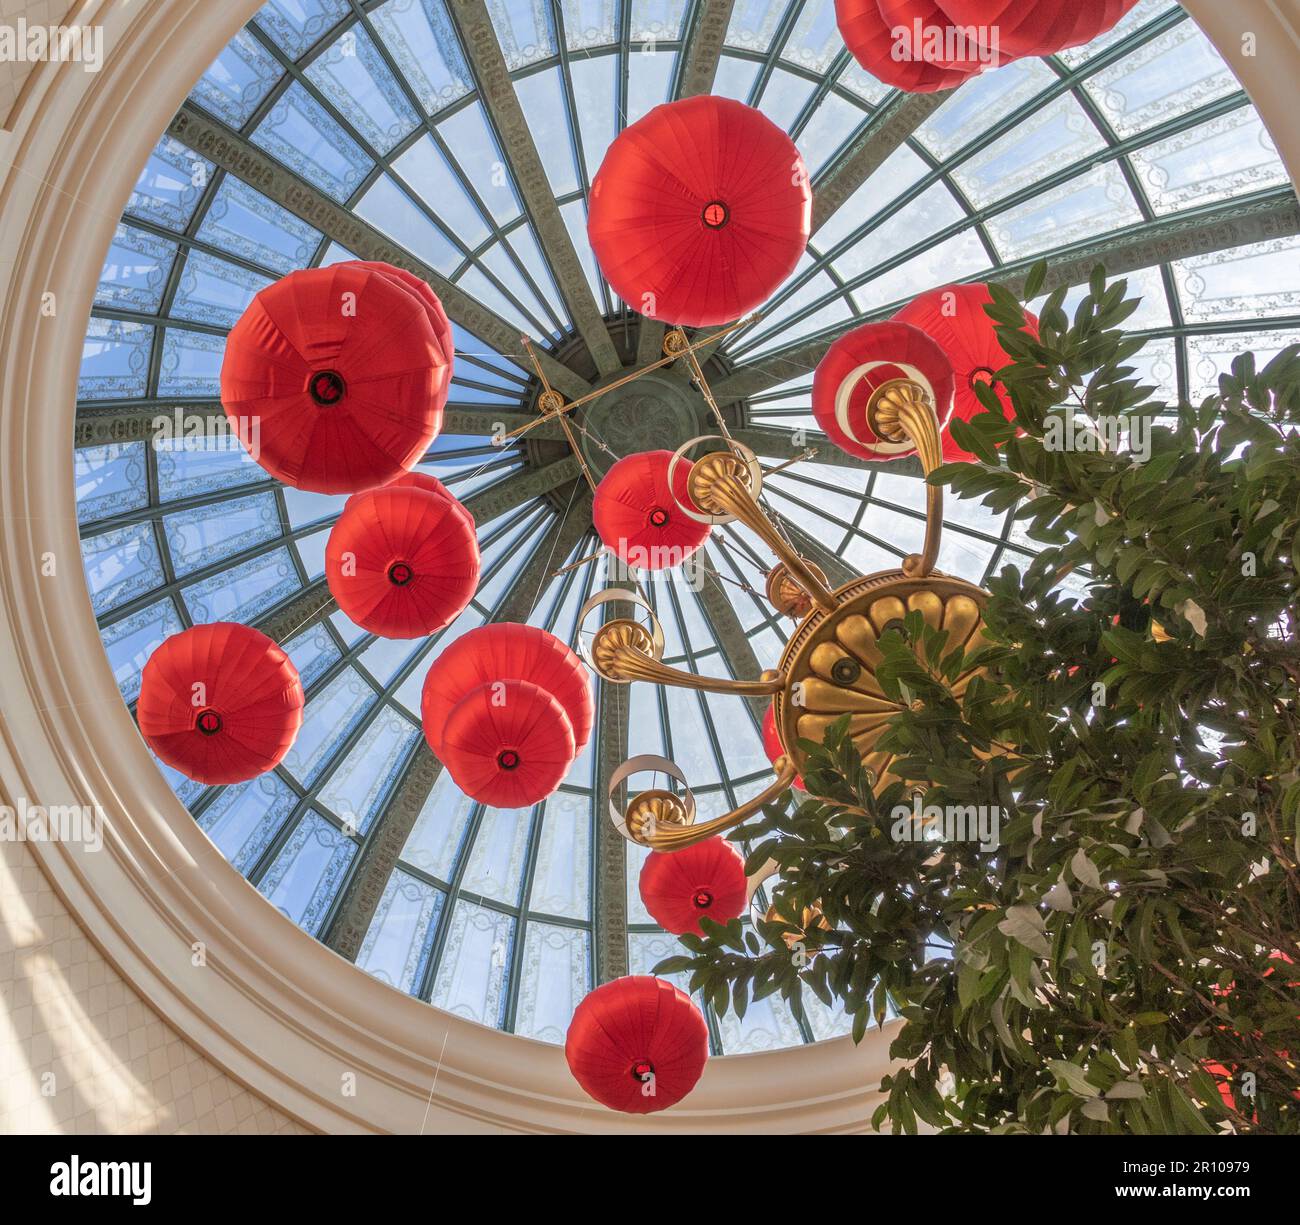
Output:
(80, 1052)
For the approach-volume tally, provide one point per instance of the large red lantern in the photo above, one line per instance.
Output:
(772, 743)
(221, 703)
(335, 379)
(862, 361)
(637, 1044)
(505, 651)
(508, 744)
(954, 318)
(699, 211)
(886, 48)
(706, 880)
(402, 561)
(637, 511)
(433, 308)
(1035, 27)
(927, 45)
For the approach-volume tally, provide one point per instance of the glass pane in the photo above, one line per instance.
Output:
(121, 564)
(352, 75)
(399, 942)
(245, 223)
(300, 133)
(1245, 282)
(555, 975)
(495, 868)
(308, 872)
(436, 838)
(110, 479)
(135, 271)
(240, 77)
(562, 874)
(243, 819)
(1228, 156)
(471, 980)
(1173, 73)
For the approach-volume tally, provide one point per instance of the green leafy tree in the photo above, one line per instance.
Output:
(1128, 958)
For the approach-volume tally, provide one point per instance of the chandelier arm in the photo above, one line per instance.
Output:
(721, 491)
(668, 838)
(903, 410)
(623, 662)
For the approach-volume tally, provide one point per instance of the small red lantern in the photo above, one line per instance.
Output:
(772, 743)
(221, 703)
(704, 880)
(955, 319)
(431, 484)
(505, 651)
(857, 365)
(508, 744)
(402, 561)
(699, 211)
(637, 1044)
(637, 511)
(335, 379)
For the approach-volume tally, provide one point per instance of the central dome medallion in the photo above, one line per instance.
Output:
(656, 412)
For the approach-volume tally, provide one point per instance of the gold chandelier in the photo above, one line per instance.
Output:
(828, 667)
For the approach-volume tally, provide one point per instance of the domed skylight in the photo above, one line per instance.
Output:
(330, 130)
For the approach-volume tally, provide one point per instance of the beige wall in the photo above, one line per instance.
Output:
(80, 1051)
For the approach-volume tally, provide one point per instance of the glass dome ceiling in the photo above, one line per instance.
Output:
(334, 129)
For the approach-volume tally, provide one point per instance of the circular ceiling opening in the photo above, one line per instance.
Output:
(1141, 149)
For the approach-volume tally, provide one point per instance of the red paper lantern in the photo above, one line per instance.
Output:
(402, 562)
(637, 514)
(858, 364)
(890, 58)
(637, 1044)
(508, 744)
(221, 703)
(430, 484)
(341, 373)
(699, 211)
(954, 318)
(1036, 27)
(505, 651)
(682, 887)
(438, 320)
(772, 743)
(936, 40)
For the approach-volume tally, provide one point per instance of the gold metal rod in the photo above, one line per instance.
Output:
(582, 561)
(705, 390)
(537, 366)
(806, 453)
(573, 446)
(918, 419)
(627, 378)
(678, 837)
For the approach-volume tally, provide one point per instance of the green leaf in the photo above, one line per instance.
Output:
(1072, 1077)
